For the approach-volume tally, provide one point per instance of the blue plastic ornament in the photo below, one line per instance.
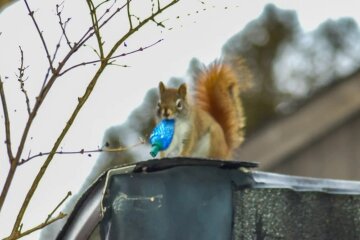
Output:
(161, 136)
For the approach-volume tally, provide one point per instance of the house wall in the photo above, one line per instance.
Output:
(334, 155)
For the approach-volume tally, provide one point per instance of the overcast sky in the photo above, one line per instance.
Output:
(119, 90)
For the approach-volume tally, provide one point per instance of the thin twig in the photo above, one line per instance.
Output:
(107, 10)
(86, 36)
(63, 34)
(94, 50)
(152, 6)
(82, 151)
(129, 14)
(22, 81)
(112, 15)
(158, 5)
(58, 206)
(114, 57)
(112, 63)
(53, 58)
(89, 33)
(31, 13)
(96, 28)
(104, 2)
(63, 24)
(7, 122)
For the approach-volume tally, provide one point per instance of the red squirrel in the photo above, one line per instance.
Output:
(210, 126)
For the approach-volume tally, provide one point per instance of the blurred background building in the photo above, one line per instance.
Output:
(304, 109)
(320, 139)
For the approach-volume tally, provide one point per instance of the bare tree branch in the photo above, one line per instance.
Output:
(49, 220)
(54, 72)
(47, 86)
(76, 111)
(20, 234)
(8, 181)
(82, 151)
(39, 100)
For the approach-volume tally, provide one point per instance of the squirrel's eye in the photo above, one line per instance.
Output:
(179, 104)
(159, 105)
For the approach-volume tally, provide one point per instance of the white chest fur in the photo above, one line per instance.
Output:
(201, 145)
(182, 129)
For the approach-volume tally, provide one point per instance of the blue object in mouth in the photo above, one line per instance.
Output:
(161, 136)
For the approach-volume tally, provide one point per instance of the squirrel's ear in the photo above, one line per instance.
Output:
(161, 87)
(182, 90)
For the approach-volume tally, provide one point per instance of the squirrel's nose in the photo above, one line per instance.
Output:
(167, 112)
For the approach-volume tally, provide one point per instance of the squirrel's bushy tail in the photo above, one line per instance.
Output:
(217, 91)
